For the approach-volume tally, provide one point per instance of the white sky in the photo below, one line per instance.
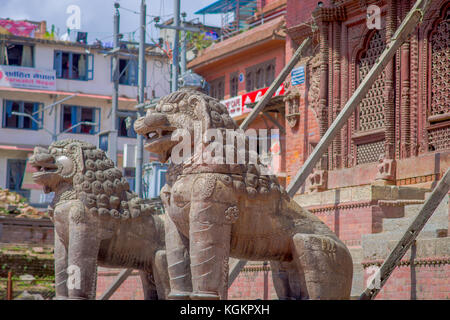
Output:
(97, 15)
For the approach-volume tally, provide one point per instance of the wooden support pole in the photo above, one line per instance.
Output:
(408, 25)
(274, 121)
(275, 84)
(9, 287)
(234, 271)
(123, 275)
(236, 268)
(425, 212)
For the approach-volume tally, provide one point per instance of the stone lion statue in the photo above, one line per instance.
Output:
(98, 221)
(216, 210)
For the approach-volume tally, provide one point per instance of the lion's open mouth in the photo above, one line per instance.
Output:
(43, 169)
(158, 134)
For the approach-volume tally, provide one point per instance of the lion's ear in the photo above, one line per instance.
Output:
(201, 110)
(68, 166)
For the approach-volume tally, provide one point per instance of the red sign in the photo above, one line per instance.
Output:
(257, 95)
(237, 105)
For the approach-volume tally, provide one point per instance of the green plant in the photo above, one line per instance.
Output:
(198, 40)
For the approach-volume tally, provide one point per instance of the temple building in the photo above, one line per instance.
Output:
(395, 147)
(377, 172)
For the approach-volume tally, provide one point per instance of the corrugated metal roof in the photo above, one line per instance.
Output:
(224, 6)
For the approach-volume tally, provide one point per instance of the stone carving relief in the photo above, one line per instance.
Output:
(440, 67)
(292, 99)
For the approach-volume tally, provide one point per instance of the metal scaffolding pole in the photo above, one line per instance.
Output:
(112, 141)
(176, 41)
(141, 82)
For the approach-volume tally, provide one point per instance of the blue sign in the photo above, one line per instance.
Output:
(211, 35)
(298, 76)
(241, 77)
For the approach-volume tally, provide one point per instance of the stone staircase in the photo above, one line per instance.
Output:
(358, 272)
(378, 245)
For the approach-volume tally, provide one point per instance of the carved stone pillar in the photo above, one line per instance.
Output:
(337, 146)
(405, 148)
(318, 178)
(386, 173)
(344, 93)
(323, 93)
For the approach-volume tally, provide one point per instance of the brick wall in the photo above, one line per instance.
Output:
(249, 285)
(421, 282)
(349, 223)
(300, 11)
(29, 231)
(131, 288)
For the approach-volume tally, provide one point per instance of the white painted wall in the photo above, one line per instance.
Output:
(157, 73)
(157, 79)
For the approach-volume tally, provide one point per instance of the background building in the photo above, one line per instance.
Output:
(395, 147)
(36, 72)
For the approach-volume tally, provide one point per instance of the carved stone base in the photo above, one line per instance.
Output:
(317, 181)
(386, 172)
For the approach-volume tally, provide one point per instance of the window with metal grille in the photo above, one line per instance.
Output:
(72, 115)
(17, 121)
(73, 66)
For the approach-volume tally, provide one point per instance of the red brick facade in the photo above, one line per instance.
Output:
(422, 282)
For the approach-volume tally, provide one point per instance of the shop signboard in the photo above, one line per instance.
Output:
(27, 78)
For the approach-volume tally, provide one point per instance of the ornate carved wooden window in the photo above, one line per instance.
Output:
(439, 87)
(371, 114)
(370, 120)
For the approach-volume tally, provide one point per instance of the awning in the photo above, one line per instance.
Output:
(15, 148)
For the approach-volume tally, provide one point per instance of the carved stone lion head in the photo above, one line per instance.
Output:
(182, 109)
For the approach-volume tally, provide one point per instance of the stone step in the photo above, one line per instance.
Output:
(426, 247)
(358, 271)
(439, 219)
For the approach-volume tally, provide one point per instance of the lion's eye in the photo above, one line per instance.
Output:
(167, 108)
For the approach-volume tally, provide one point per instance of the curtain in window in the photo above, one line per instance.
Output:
(2, 53)
(27, 58)
(82, 67)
